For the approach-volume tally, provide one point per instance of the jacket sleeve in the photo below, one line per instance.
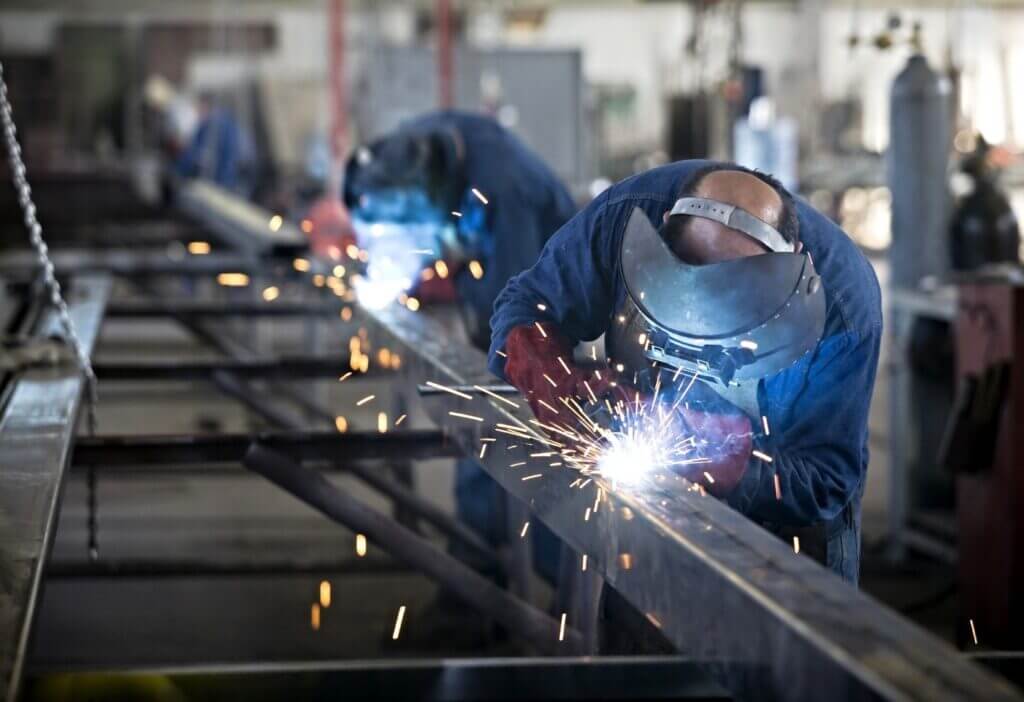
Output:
(817, 444)
(570, 284)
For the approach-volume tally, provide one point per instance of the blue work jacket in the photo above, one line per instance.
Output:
(817, 409)
(526, 203)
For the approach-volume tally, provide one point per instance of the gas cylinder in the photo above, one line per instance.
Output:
(917, 164)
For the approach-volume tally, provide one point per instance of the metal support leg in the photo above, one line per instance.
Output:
(316, 491)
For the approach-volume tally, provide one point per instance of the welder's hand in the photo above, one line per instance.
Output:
(540, 365)
(723, 438)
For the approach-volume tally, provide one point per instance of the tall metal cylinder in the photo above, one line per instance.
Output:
(917, 164)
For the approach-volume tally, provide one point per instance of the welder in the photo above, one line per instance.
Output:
(466, 186)
(713, 271)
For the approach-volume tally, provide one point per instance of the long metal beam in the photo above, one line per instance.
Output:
(202, 308)
(131, 263)
(161, 450)
(238, 223)
(278, 368)
(447, 680)
(778, 625)
(36, 431)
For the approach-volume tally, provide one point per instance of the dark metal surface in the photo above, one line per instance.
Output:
(720, 587)
(446, 680)
(283, 367)
(130, 263)
(142, 452)
(205, 308)
(172, 567)
(36, 432)
(404, 544)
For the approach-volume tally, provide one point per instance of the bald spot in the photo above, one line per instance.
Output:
(704, 241)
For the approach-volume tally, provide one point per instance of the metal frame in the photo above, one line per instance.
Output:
(771, 624)
(36, 432)
(447, 680)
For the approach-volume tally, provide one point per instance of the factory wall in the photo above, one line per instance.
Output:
(650, 55)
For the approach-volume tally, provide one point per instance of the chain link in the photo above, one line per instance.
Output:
(35, 233)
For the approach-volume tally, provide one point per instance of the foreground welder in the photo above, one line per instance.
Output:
(467, 187)
(765, 300)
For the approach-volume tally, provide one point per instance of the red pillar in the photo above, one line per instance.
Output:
(338, 92)
(444, 53)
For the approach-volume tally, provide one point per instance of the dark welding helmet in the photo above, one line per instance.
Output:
(415, 161)
(729, 322)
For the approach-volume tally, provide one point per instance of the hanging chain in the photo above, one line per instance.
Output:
(35, 233)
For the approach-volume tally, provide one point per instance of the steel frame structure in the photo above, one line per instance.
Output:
(37, 430)
(730, 596)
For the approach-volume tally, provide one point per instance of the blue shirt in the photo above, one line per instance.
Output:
(526, 202)
(817, 409)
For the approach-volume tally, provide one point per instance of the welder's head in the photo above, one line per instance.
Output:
(722, 290)
(406, 177)
(698, 240)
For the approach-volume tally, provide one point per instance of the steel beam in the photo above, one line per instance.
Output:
(447, 680)
(36, 431)
(256, 369)
(237, 223)
(132, 263)
(720, 588)
(193, 568)
(206, 309)
(160, 450)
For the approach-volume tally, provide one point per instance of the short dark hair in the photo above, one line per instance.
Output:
(788, 224)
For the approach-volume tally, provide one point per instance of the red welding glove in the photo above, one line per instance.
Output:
(540, 365)
(726, 440)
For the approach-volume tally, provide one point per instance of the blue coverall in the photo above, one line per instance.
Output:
(218, 151)
(817, 409)
(526, 204)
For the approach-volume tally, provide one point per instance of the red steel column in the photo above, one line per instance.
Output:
(338, 92)
(444, 53)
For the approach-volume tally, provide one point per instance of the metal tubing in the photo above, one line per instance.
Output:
(154, 451)
(206, 309)
(315, 490)
(284, 367)
(175, 568)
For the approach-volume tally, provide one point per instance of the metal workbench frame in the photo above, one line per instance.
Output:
(37, 430)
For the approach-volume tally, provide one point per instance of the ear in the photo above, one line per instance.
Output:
(799, 246)
(664, 217)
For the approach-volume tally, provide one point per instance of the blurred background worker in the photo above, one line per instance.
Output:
(220, 149)
(467, 188)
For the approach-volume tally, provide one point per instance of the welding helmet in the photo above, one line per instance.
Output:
(728, 322)
(422, 162)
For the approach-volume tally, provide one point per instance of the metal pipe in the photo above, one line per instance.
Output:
(155, 451)
(190, 568)
(294, 367)
(315, 490)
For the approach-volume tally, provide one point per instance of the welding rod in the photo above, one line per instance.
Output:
(498, 389)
